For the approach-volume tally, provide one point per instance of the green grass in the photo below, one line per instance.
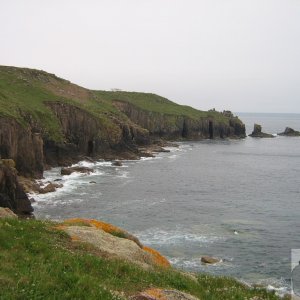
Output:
(40, 262)
(157, 104)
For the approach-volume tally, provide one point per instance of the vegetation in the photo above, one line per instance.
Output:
(40, 262)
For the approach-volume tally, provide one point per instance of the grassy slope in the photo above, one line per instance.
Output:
(27, 90)
(158, 104)
(39, 262)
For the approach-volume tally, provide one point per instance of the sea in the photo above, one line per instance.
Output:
(237, 200)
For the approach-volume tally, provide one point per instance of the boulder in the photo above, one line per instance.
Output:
(257, 132)
(209, 260)
(7, 213)
(110, 245)
(290, 132)
(162, 294)
(49, 188)
(117, 163)
(69, 171)
(93, 182)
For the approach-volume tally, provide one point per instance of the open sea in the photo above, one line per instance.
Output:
(238, 200)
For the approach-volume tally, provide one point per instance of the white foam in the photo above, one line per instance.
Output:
(162, 237)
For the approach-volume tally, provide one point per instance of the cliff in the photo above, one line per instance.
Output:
(12, 194)
(48, 121)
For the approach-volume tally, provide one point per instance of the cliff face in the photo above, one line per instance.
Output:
(180, 126)
(24, 145)
(12, 194)
(48, 121)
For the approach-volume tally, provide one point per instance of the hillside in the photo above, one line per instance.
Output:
(48, 121)
(40, 261)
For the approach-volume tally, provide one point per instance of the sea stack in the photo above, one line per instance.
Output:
(258, 133)
(290, 132)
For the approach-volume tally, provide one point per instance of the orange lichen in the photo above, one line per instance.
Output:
(156, 294)
(98, 224)
(157, 257)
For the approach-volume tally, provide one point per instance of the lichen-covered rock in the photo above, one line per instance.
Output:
(290, 132)
(162, 294)
(114, 246)
(257, 132)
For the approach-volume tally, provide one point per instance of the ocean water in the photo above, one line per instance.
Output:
(238, 200)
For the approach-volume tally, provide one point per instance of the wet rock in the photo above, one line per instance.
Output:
(58, 179)
(257, 132)
(93, 182)
(117, 163)
(7, 213)
(290, 132)
(69, 171)
(50, 188)
(209, 260)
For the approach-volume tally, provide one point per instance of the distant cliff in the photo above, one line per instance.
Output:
(48, 121)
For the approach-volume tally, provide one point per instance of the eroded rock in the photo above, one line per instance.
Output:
(69, 171)
(257, 132)
(7, 213)
(290, 132)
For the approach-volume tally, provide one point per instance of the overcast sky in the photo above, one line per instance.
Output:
(242, 55)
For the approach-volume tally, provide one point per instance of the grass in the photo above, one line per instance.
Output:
(40, 262)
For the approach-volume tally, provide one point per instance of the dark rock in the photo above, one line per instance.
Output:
(69, 171)
(290, 132)
(209, 260)
(258, 133)
(12, 194)
(49, 188)
(58, 179)
(93, 182)
(117, 163)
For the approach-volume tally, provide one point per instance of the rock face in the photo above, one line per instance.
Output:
(174, 127)
(290, 132)
(12, 194)
(258, 133)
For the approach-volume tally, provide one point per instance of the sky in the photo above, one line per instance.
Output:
(240, 55)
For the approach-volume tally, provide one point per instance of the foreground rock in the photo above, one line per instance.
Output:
(69, 171)
(49, 188)
(12, 194)
(258, 133)
(209, 260)
(112, 241)
(7, 213)
(290, 132)
(161, 294)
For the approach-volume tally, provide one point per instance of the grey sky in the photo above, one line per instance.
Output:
(242, 55)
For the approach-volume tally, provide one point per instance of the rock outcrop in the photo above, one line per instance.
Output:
(7, 213)
(69, 171)
(209, 260)
(162, 294)
(258, 133)
(290, 132)
(113, 242)
(12, 194)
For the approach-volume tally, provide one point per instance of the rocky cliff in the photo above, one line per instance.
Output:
(48, 121)
(12, 194)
